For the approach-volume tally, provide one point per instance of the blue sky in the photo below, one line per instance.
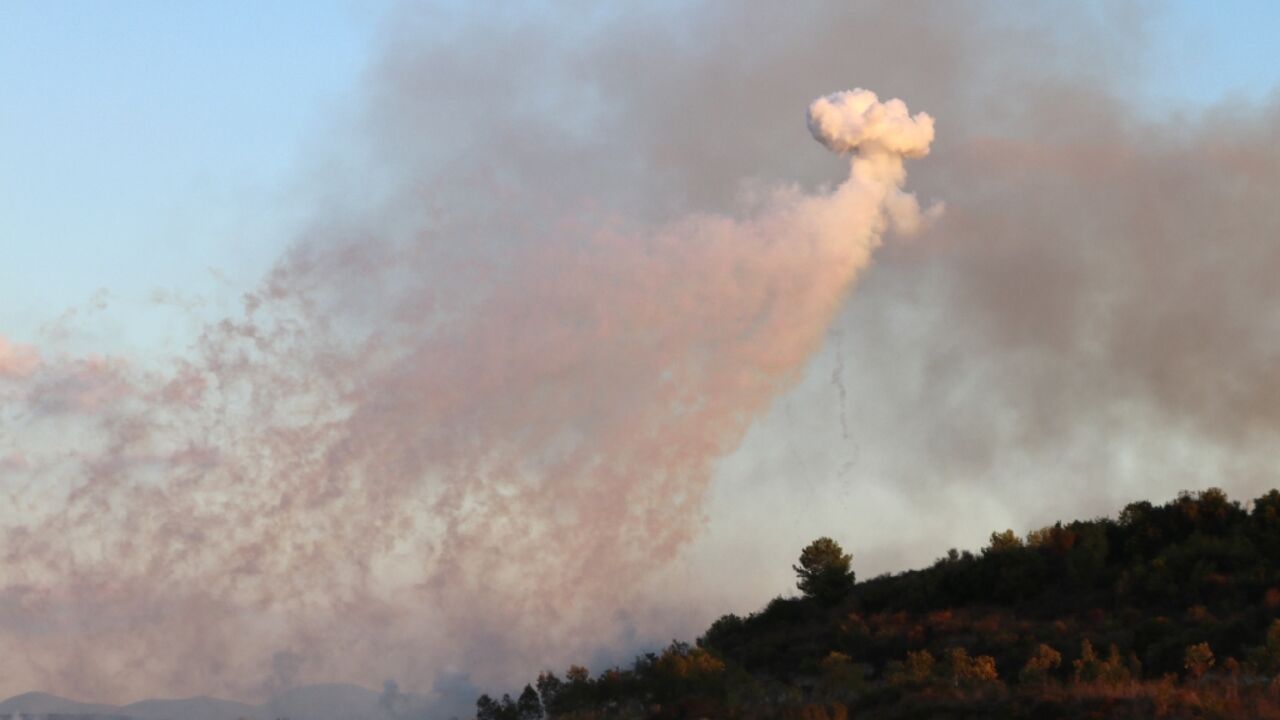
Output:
(1204, 52)
(144, 143)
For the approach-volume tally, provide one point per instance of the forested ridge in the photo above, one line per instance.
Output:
(1168, 610)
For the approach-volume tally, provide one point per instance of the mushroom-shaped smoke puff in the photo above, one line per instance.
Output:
(857, 120)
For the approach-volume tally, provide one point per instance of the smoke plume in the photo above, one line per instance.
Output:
(506, 401)
(368, 464)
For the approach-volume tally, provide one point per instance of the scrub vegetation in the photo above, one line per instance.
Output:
(1166, 611)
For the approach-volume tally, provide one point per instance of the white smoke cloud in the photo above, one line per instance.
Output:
(856, 120)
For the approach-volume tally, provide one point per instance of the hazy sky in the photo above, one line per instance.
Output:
(356, 341)
(146, 143)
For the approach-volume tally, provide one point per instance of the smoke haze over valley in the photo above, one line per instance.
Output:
(568, 334)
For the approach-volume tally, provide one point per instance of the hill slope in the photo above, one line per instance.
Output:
(1165, 611)
(38, 703)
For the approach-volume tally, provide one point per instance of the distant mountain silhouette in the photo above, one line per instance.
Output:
(38, 703)
(197, 708)
(311, 702)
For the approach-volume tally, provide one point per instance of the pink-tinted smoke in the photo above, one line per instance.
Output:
(440, 477)
(17, 360)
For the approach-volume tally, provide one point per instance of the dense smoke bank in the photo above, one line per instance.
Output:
(478, 403)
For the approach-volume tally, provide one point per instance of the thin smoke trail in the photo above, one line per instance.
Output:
(837, 381)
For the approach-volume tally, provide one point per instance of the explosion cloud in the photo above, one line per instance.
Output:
(856, 120)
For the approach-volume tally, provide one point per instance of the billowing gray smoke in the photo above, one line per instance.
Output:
(469, 422)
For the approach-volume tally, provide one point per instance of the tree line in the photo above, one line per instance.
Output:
(1166, 610)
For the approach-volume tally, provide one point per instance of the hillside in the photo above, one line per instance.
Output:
(46, 704)
(1164, 611)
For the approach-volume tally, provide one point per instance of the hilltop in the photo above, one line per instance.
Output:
(1168, 610)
